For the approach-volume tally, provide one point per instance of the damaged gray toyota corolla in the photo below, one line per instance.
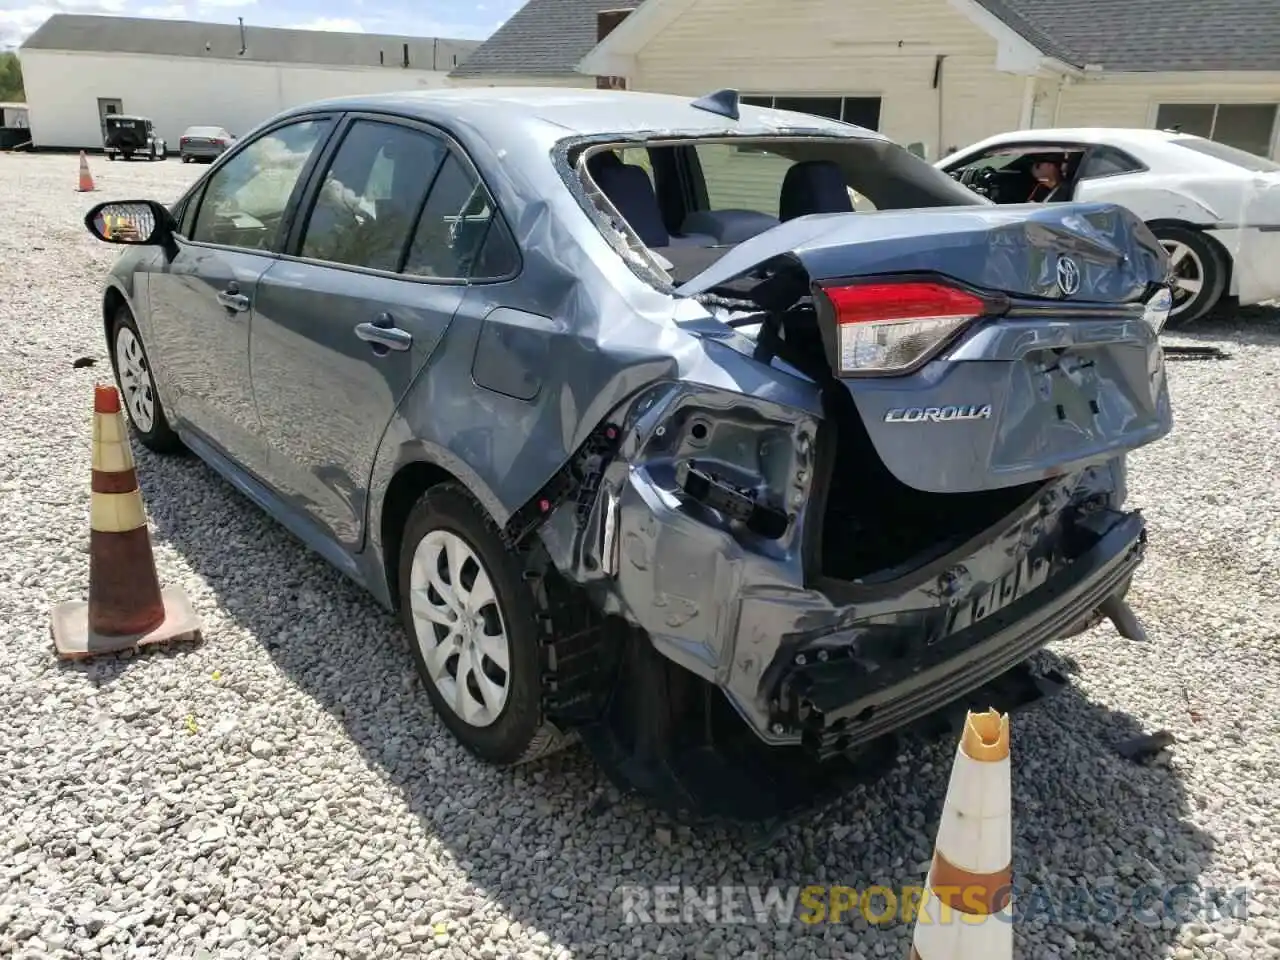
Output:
(730, 439)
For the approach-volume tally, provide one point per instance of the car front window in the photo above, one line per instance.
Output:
(245, 200)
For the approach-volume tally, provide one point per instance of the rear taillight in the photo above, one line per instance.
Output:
(220, 142)
(181, 141)
(889, 327)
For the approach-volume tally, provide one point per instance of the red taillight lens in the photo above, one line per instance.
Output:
(220, 142)
(181, 141)
(889, 327)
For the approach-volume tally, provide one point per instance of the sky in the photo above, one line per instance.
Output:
(463, 19)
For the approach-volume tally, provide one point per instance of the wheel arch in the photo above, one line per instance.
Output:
(406, 487)
(1228, 263)
(113, 298)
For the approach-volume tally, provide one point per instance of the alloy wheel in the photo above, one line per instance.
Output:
(459, 627)
(1187, 274)
(135, 380)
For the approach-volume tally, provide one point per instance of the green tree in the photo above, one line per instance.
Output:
(11, 78)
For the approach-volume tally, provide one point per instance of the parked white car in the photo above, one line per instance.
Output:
(1215, 209)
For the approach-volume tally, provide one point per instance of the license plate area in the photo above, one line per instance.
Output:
(1029, 573)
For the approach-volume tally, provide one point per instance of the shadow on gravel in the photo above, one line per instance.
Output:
(1088, 824)
(1257, 326)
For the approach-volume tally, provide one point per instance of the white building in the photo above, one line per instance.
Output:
(945, 73)
(76, 69)
(940, 73)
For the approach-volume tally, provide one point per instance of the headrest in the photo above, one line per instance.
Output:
(629, 188)
(813, 186)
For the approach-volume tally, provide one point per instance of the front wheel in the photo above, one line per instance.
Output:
(138, 387)
(1199, 272)
(471, 621)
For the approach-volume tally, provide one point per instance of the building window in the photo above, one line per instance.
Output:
(863, 111)
(1246, 126)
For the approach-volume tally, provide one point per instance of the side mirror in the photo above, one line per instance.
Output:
(133, 222)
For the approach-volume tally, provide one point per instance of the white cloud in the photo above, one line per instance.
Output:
(222, 4)
(16, 25)
(335, 24)
(172, 11)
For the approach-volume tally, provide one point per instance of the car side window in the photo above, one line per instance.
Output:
(245, 200)
(1107, 162)
(365, 210)
(461, 235)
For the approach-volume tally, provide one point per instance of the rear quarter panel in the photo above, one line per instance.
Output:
(1154, 197)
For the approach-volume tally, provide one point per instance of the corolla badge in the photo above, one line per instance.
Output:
(938, 414)
(1068, 276)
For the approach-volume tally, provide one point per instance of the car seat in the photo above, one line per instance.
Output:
(813, 186)
(629, 188)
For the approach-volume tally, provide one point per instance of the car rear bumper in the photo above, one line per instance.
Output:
(843, 704)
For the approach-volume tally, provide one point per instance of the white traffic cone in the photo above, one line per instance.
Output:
(966, 912)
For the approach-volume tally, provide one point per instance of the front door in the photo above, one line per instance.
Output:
(203, 300)
(343, 330)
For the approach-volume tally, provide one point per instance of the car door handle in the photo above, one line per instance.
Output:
(383, 332)
(233, 299)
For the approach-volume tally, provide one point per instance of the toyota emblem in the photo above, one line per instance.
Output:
(1068, 276)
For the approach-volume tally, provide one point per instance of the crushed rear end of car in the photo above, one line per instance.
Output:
(924, 486)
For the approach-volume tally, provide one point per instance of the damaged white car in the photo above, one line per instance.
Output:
(1214, 208)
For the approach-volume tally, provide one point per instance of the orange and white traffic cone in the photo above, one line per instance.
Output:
(966, 912)
(127, 607)
(86, 178)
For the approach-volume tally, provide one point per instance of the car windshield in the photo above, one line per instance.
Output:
(1231, 155)
(210, 132)
(683, 204)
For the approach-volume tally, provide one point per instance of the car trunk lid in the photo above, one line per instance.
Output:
(1009, 249)
(1033, 356)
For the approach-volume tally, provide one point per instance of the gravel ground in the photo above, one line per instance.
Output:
(283, 789)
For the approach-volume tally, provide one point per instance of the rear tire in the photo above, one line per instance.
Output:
(137, 386)
(1199, 269)
(461, 633)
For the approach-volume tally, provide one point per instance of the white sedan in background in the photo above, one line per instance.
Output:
(1215, 209)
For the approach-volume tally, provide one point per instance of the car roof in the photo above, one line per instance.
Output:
(1116, 136)
(494, 111)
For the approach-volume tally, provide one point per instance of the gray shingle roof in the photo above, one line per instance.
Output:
(221, 41)
(1144, 36)
(549, 37)
(542, 38)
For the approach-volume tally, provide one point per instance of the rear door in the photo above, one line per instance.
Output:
(377, 267)
(203, 299)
